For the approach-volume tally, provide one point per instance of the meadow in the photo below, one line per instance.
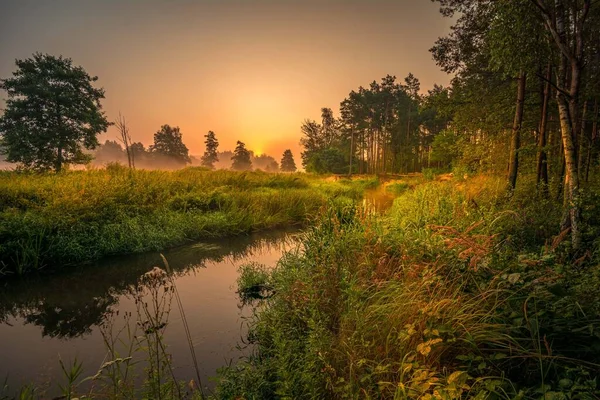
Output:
(463, 290)
(52, 221)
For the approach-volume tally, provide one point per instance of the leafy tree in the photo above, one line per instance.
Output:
(287, 162)
(110, 151)
(52, 114)
(210, 156)
(272, 166)
(328, 160)
(241, 158)
(137, 149)
(168, 142)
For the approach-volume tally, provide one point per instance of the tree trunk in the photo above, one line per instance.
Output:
(515, 142)
(592, 141)
(351, 149)
(542, 158)
(59, 159)
(583, 140)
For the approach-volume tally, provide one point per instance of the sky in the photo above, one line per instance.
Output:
(249, 70)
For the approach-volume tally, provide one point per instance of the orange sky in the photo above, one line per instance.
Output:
(248, 70)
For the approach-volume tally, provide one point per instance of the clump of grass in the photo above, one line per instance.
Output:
(397, 188)
(253, 282)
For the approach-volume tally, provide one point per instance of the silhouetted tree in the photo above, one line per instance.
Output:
(287, 162)
(125, 138)
(168, 142)
(210, 156)
(52, 113)
(241, 158)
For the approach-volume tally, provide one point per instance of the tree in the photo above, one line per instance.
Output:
(168, 142)
(287, 162)
(125, 138)
(53, 112)
(210, 156)
(328, 160)
(241, 158)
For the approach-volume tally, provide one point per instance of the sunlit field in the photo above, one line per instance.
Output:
(48, 222)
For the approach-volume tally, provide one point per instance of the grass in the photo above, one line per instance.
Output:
(49, 221)
(460, 292)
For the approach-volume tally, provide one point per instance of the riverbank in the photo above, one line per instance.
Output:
(460, 292)
(51, 221)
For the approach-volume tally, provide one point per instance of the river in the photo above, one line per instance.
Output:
(63, 316)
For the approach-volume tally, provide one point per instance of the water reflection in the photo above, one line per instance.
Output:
(43, 317)
(67, 305)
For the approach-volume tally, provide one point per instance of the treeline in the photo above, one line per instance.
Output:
(524, 99)
(169, 152)
(385, 128)
(56, 122)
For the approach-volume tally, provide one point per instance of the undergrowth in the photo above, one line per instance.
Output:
(461, 291)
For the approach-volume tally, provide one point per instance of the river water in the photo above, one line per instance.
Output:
(64, 316)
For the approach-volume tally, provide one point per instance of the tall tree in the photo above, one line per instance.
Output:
(210, 156)
(241, 158)
(287, 162)
(53, 112)
(566, 21)
(168, 142)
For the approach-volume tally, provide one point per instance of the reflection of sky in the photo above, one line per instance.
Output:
(248, 70)
(207, 293)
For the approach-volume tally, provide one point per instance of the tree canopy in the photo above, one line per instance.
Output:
(168, 142)
(52, 114)
(210, 156)
(287, 162)
(241, 158)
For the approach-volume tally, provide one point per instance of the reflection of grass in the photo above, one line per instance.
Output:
(54, 220)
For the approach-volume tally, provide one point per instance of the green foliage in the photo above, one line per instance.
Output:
(453, 295)
(52, 113)
(328, 160)
(48, 222)
(241, 158)
(287, 162)
(168, 142)
(210, 156)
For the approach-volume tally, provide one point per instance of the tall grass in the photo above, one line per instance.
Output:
(460, 292)
(53, 220)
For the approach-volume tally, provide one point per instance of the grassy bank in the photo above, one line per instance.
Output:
(461, 292)
(53, 220)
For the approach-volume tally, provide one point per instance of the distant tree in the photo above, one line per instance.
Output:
(125, 138)
(287, 162)
(52, 113)
(168, 142)
(210, 156)
(272, 166)
(137, 149)
(241, 158)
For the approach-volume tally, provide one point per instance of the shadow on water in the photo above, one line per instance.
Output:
(61, 313)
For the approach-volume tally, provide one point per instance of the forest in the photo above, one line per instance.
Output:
(446, 243)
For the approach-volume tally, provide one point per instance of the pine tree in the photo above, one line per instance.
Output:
(287, 162)
(241, 158)
(210, 156)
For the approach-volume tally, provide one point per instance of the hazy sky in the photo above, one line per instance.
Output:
(248, 70)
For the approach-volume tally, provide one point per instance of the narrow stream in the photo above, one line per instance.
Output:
(66, 316)
(63, 317)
